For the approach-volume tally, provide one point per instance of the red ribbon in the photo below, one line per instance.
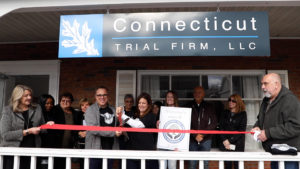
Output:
(146, 130)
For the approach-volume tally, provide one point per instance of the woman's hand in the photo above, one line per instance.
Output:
(226, 144)
(118, 133)
(119, 111)
(199, 138)
(255, 129)
(50, 123)
(82, 134)
(157, 123)
(34, 130)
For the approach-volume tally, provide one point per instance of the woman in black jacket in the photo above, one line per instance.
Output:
(46, 102)
(64, 113)
(144, 118)
(233, 119)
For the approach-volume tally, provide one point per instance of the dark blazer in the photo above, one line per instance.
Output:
(48, 138)
(59, 118)
(205, 113)
(80, 141)
(237, 122)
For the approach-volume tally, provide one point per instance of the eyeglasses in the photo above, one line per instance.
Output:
(66, 101)
(101, 95)
(231, 100)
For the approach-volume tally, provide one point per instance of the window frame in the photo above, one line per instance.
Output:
(199, 73)
(35, 67)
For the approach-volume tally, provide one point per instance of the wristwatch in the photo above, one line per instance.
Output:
(26, 132)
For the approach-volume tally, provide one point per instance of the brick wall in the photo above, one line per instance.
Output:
(247, 165)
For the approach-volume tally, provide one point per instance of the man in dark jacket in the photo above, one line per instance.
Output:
(203, 118)
(279, 117)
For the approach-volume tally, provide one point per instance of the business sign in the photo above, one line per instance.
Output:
(165, 34)
(177, 119)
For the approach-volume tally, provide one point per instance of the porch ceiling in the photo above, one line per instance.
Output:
(42, 24)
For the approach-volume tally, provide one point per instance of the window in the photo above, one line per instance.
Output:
(218, 85)
(46, 72)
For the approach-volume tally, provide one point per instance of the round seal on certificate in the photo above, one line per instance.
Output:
(174, 137)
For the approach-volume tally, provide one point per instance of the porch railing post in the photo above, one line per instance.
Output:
(221, 164)
(241, 164)
(104, 163)
(162, 164)
(1, 161)
(281, 165)
(68, 163)
(143, 164)
(50, 162)
(261, 164)
(86, 163)
(201, 164)
(181, 164)
(33, 162)
(16, 162)
(123, 163)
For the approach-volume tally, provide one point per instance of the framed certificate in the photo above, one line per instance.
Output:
(175, 118)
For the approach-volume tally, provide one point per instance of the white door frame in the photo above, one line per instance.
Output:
(35, 67)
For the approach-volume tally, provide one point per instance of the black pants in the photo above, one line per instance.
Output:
(136, 164)
(96, 163)
(228, 164)
(8, 162)
(59, 163)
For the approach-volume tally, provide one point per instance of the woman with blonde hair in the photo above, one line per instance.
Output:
(20, 124)
(233, 119)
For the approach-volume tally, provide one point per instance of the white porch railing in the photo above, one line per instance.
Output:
(142, 155)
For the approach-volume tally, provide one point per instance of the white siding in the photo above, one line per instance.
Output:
(126, 84)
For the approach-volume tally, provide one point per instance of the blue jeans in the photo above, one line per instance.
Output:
(170, 164)
(287, 165)
(194, 146)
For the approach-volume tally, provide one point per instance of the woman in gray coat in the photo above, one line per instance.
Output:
(20, 123)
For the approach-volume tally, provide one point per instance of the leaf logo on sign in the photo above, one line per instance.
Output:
(80, 41)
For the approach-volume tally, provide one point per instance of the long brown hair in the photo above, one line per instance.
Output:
(240, 105)
(174, 96)
(147, 97)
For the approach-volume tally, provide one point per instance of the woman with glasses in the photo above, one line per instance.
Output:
(129, 110)
(233, 119)
(64, 113)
